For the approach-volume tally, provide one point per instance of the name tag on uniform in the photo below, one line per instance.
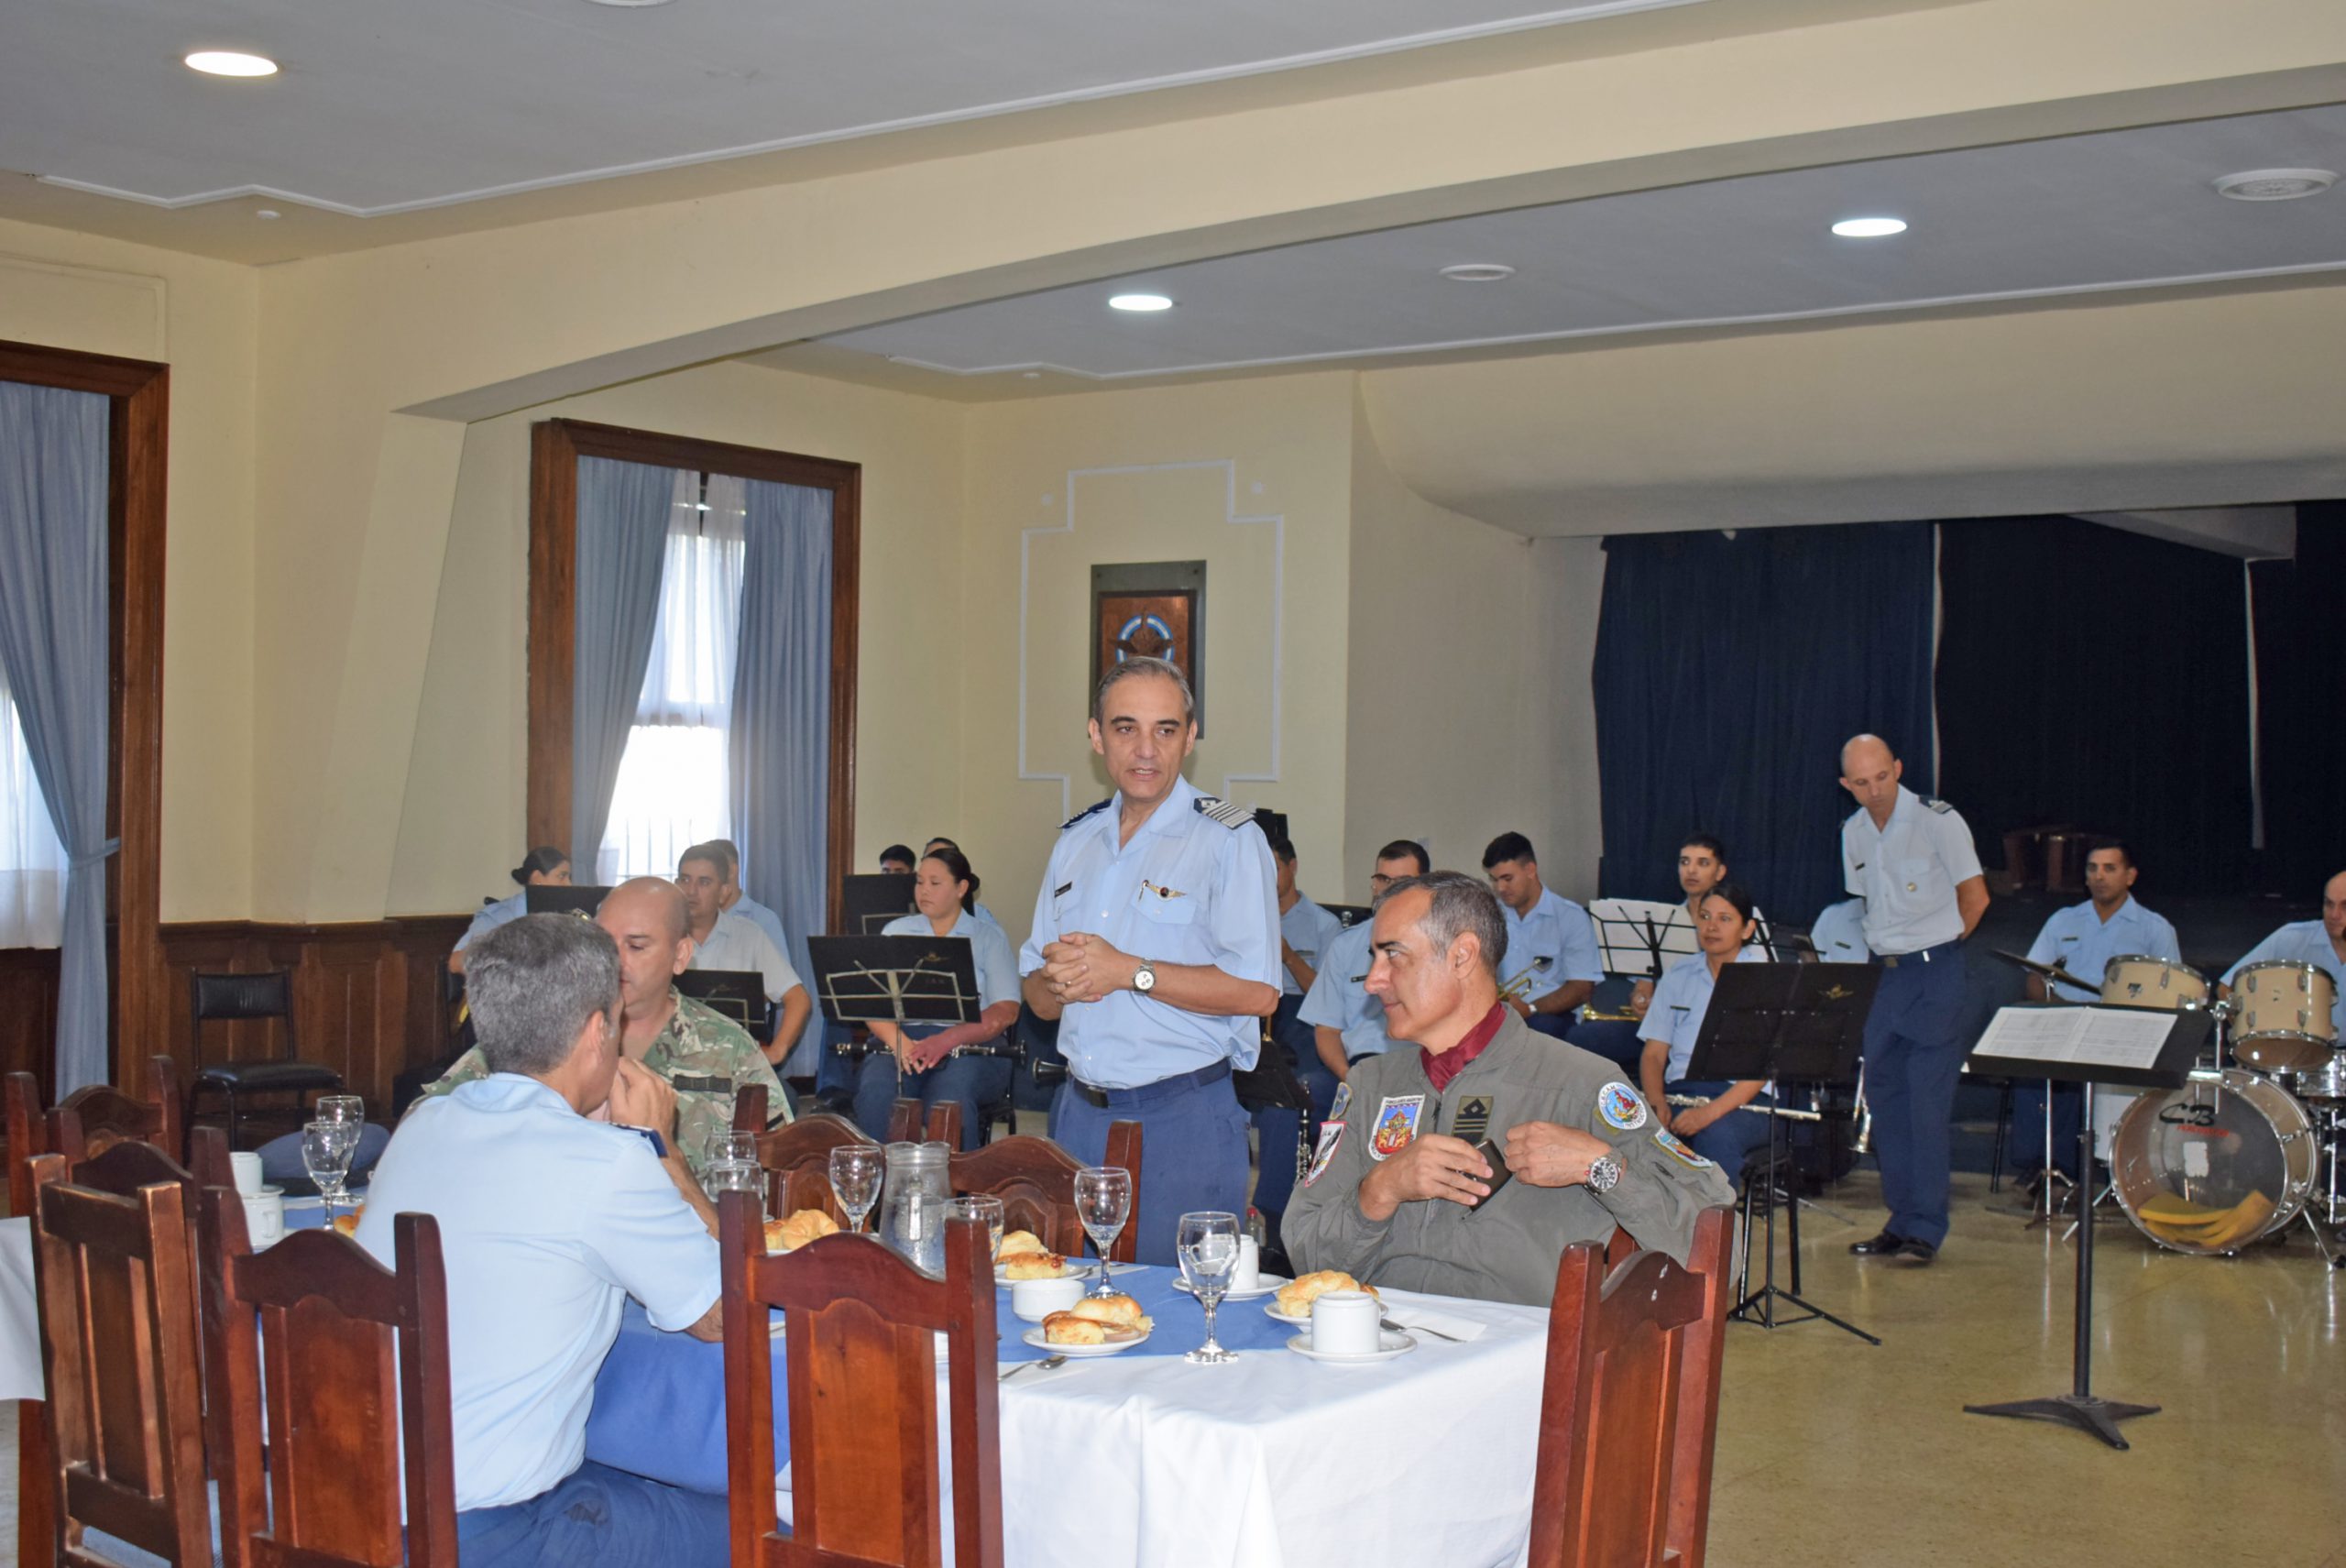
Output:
(1396, 1125)
(1061, 889)
(688, 1084)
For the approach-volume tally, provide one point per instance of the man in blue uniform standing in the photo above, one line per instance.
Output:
(1155, 944)
(1550, 941)
(1913, 862)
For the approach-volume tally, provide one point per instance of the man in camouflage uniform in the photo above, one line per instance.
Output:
(702, 1054)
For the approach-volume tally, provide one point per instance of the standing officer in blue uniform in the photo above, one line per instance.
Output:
(1913, 862)
(1155, 944)
(1549, 939)
(1347, 1022)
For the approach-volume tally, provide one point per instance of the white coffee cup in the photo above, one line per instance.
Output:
(1034, 1300)
(1344, 1322)
(1248, 1274)
(265, 1219)
(246, 1168)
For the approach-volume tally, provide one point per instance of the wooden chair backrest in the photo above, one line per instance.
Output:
(114, 1260)
(941, 1124)
(106, 1117)
(1034, 1178)
(358, 1375)
(864, 1474)
(749, 1109)
(798, 1161)
(1630, 1413)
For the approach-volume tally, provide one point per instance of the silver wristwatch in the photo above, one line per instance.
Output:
(1144, 978)
(1603, 1172)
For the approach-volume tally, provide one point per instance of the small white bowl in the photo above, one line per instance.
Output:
(1034, 1300)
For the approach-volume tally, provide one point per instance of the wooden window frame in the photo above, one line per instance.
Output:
(137, 440)
(555, 447)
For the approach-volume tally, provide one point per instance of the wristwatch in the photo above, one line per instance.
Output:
(1144, 978)
(1603, 1172)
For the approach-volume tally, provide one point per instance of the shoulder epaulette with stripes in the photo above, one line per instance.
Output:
(1938, 806)
(1222, 811)
(1087, 811)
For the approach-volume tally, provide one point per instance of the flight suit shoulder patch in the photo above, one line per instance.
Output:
(1622, 1108)
(1331, 1134)
(1677, 1149)
(1087, 811)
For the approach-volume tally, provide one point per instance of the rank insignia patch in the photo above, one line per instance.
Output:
(1621, 1106)
(1396, 1126)
(1331, 1133)
(1342, 1103)
(1474, 1120)
(1676, 1149)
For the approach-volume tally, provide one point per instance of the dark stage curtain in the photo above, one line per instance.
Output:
(2097, 677)
(2301, 705)
(1729, 671)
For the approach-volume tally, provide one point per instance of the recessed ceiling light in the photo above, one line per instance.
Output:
(1870, 228)
(227, 62)
(2275, 184)
(1477, 272)
(1139, 302)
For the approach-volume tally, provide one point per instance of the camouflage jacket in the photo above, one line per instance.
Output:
(705, 1056)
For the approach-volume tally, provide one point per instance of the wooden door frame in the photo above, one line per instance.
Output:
(139, 436)
(555, 447)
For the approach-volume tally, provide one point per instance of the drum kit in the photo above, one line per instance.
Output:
(2256, 1140)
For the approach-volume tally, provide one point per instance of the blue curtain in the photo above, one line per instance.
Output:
(53, 632)
(622, 542)
(1729, 671)
(2300, 692)
(778, 746)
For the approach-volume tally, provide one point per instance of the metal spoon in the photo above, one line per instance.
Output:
(1045, 1364)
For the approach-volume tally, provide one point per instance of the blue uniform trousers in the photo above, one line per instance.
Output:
(1914, 1059)
(1193, 1148)
(1555, 1025)
(1278, 1131)
(835, 1075)
(972, 1081)
(1726, 1142)
(1614, 1039)
(601, 1516)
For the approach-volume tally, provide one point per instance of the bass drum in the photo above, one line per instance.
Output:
(2213, 1166)
(2281, 1015)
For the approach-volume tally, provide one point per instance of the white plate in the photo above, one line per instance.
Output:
(1270, 1283)
(1033, 1336)
(1074, 1270)
(1394, 1345)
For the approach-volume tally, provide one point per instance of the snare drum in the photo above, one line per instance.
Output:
(2281, 1015)
(2136, 980)
(2322, 1082)
(2213, 1166)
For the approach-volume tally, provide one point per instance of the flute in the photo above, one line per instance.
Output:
(1786, 1112)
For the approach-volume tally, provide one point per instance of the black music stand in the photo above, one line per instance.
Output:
(738, 994)
(894, 980)
(550, 898)
(1788, 1022)
(868, 903)
(1634, 934)
(2089, 1045)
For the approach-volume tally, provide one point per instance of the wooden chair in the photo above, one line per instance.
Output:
(114, 1260)
(1034, 1178)
(942, 1125)
(749, 1109)
(798, 1161)
(861, 1322)
(1631, 1410)
(358, 1362)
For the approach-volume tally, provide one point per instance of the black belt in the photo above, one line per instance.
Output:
(1923, 955)
(1149, 1094)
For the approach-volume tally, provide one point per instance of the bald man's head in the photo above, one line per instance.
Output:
(1869, 771)
(645, 915)
(1859, 751)
(654, 903)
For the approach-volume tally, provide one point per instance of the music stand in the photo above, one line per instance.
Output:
(1634, 935)
(1785, 1022)
(2140, 1047)
(738, 994)
(549, 898)
(894, 980)
(1350, 914)
(868, 903)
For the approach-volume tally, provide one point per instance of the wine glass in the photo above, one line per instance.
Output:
(856, 1169)
(1103, 1201)
(326, 1148)
(349, 1111)
(1207, 1246)
(979, 1206)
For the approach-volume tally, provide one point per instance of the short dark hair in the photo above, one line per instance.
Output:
(1737, 895)
(1283, 848)
(532, 983)
(543, 861)
(1412, 849)
(1508, 847)
(1163, 669)
(2125, 852)
(1460, 903)
(1703, 841)
(957, 866)
(729, 855)
(707, 851)
(899, 852)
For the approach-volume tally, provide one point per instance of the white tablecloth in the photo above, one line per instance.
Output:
(19, 1319)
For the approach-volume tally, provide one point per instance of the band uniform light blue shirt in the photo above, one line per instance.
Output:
(1339, 998)
(1839, 933)
(548, 1222)
(2081, 941)
(1186, 890)
(1559, 930)
(764, 919)
(1907, 871)
(492, 916)
(1681, 999)
(2303, 942)
(1307, 928)
(989, 950)
(737, 944)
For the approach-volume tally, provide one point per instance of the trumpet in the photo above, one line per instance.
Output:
(1515, 989)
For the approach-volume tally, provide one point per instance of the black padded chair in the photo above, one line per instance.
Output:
(222, 997)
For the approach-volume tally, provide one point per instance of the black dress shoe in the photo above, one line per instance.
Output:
(1915, 1252)
(1882, 1246)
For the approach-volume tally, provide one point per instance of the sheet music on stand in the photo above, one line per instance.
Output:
(2137, 1046)
(1637, 937)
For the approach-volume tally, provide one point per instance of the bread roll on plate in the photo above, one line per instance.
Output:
(348, 1224)
(795, 1230)
(1296, 1296)
(1115, 1311)
(1020, 1241)
(1032, 1266)
(1068, 1328)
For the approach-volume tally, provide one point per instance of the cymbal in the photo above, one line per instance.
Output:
(2048, 972)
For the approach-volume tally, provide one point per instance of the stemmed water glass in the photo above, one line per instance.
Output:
(326, 1148)
(979, 1206)
(1207, 1246)
(856, 1169)
(1103, 1201)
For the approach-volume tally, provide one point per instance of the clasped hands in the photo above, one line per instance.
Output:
(1080, 966)
(1437, 1166)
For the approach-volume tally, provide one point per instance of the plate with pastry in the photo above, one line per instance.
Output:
(1263, 1286)
(1009, 1267)
(797, 1228)
(1291, 1303)
(1102, 1332)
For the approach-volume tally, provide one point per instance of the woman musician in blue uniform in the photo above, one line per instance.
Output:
(1722, 1130)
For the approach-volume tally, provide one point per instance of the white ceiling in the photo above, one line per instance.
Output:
(392, 105)
(2125, 209)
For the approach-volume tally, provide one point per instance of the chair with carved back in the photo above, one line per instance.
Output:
(114, 1257)
(1630, 1413)
(359, 1361)
(1034, 1178)
(91, 1120)
(797, 1157)
(749, 1108)
(861, 1341)
(941, 1124)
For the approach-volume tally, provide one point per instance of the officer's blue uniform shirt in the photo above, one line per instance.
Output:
(1839, 933)
(989, 949)
(1907, 873)
(1307, 928)
(492, 916)
(2304, 942)
(1339, 998)
(1559, 930)
(764, 919)
(2083, 943)
(1186, 890)
(1680, 997)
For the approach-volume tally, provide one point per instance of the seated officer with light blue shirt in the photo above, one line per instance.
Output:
(2321, 943)
(731, 900)
(1721, 1131)
(1305, 932)
(544, 866)
(1155, 946)
(548, 1222)
(916, 1061)
(1549, 939)
(977, 911)
(1347, 1022)
(1839, 933)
